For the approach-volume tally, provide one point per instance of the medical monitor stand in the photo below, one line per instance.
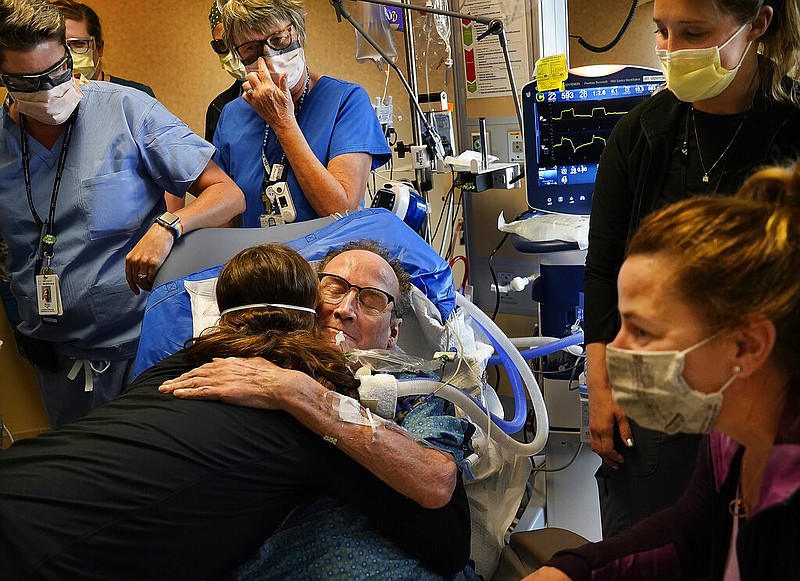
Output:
(566, 132)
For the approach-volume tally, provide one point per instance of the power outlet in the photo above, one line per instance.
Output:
(504, 279)
(516, 147)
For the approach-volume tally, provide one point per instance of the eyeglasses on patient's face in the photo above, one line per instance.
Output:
(56, 75)
(275, 43)
(333, 289)
(81, 45)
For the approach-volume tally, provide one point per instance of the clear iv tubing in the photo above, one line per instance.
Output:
(546, 349)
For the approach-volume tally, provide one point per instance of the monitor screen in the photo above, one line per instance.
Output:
(566, 131)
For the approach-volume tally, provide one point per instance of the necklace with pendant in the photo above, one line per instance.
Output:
(721, 155)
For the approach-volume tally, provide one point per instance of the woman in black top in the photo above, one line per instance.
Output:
(150, 486)
(728, 108)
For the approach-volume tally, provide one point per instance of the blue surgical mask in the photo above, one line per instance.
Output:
(650, 388)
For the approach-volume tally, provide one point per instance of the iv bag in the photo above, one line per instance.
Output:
(374, 21)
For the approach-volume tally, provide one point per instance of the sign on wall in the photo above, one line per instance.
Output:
(484, 64)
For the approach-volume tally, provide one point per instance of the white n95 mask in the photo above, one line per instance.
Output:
(650, 388)
(696, 74)
(233, 66)
(51, 107)
(292, 63)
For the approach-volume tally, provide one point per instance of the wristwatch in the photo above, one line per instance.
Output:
(171, 222)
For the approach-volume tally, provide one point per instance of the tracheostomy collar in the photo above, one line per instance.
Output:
(276, 305)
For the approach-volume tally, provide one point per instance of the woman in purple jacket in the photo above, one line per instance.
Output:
(709, 297)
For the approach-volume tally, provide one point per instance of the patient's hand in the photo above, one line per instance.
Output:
(253, 382)
(547, 574)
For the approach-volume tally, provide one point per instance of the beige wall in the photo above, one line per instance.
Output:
(165, 44)
(20, 403)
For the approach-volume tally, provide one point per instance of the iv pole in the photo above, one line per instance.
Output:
(494, 26)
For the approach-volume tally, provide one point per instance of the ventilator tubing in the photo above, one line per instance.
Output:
(544, 346)
(517, 365)
(476, 413)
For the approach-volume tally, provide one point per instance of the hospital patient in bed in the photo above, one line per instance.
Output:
(151, 486)
(363, 296)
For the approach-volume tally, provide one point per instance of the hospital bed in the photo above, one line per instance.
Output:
(182, 304)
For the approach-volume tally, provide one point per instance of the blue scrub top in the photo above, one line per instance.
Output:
(336, 118)
(126, 150)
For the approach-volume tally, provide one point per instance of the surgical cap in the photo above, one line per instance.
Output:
(215, 16)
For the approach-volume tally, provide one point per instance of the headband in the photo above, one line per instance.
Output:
(276, 305)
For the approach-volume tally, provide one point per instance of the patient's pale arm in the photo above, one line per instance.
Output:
(427, 476)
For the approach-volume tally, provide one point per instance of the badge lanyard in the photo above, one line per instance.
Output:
(276, 173)
(47, 240)
(47, 285)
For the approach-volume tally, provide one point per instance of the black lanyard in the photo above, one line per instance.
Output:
(268, 181)
(47, 240)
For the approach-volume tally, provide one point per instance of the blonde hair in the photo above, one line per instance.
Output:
(737, 257)
(240, 17)
(780, 44)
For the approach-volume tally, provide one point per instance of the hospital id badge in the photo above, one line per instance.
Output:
(269, 220)
(276, 172)
(48, 294)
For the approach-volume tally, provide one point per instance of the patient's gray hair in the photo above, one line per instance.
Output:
(402, 304)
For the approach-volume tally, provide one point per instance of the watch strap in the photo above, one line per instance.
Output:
(175, 226)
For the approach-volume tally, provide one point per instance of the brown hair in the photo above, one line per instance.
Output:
(738, 257)
(26, 24)
(402, 303)
(780, 44)
(272, 273)
(82, 13)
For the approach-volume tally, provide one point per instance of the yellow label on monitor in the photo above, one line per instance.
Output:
(551, 72)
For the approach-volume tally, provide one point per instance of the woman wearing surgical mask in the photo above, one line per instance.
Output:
(230, 64)
(300, 145)
(85, 42)
(728, 107)
(710, 303)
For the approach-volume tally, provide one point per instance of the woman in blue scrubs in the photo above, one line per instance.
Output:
(294, 130)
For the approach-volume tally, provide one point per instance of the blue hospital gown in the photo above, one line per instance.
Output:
(328, 540)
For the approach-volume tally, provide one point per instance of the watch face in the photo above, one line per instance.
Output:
(169, 218)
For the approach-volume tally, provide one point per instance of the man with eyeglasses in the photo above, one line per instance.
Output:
(86, 44)
(83, 170)
(363, 296)
(301, 145)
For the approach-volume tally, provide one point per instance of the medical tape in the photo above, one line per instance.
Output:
(350, 411)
